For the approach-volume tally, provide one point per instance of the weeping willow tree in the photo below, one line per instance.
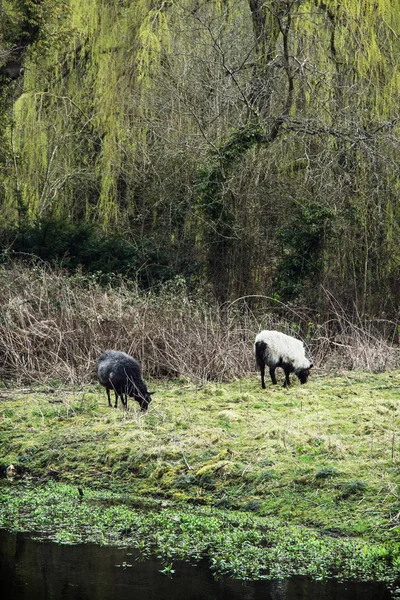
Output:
(211, 126)
(78, 119)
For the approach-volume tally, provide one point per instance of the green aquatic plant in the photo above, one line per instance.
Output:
(236, 543)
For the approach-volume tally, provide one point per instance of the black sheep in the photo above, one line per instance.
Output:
(120, 372)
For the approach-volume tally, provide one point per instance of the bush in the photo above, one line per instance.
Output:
(82, 246)
(302, 241)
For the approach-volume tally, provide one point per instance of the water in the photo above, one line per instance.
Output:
(32, 570)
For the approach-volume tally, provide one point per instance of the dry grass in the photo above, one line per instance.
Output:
(53, 327)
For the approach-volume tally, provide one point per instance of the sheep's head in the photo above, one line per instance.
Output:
(138, 391)
(144, 400)
(303, 374)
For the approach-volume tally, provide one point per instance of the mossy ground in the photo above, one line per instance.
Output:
(324, 457)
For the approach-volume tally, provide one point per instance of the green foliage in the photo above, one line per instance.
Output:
(243, 545)
(211, 179)
(82, 246)
(22, 20)
(213, 201)
(303, 240)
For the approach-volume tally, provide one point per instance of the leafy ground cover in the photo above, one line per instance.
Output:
(263, 483)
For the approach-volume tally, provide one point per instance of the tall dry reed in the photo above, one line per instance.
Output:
(53, 327)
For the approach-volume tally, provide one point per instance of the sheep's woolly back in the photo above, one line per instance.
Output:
(113, 364)
(282, 348)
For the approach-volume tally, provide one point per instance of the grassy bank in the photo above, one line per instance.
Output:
(306, 478)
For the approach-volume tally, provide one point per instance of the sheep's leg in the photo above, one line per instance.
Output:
(262, 369)
(287, 380)
(116, 399)
(108, 396)
(272, 374)
(125, 400)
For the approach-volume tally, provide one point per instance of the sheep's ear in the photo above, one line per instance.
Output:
(150, 393)
(311, 366)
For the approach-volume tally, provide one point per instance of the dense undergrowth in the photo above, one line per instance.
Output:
(53, 327)
(261, 483)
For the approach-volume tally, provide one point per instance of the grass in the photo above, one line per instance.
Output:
(320, 461)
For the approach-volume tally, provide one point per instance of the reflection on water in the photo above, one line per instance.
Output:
(31, 570)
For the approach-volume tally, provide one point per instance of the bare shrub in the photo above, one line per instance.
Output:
(357, 342)
(54, 326)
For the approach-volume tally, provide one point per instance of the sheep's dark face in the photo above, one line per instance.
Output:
(139, 393)
(144, 401)
(142, 396)
(304, 374)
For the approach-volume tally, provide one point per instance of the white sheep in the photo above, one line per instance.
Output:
(276, 349)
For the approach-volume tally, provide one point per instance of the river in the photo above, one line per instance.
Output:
(43, 570)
